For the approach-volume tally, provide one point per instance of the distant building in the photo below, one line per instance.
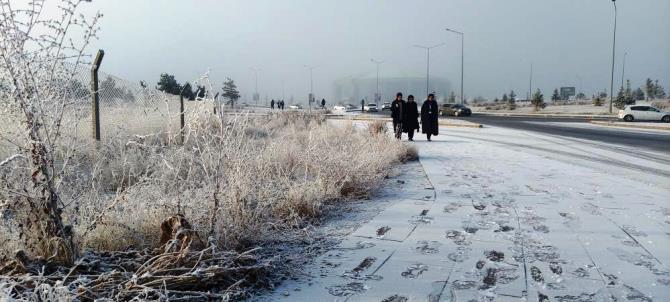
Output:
(351, 90)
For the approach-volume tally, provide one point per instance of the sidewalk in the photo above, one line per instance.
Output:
(494, 217)
(637, 125)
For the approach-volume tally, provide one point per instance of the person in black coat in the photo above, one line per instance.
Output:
(429, 115)
(411, 119)
(397, 114)
(272, 105)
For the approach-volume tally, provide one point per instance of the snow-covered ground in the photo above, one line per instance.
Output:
(504, 215)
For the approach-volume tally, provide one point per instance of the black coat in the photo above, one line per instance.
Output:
(429, 114)
(397, 111)
(411, 119)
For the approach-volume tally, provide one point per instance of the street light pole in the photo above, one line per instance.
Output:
(378, 96)
(428, 48)
(462, 60)
(530, 83)
(613, 56)
(311, 86)
(623, 71)
(256, 95)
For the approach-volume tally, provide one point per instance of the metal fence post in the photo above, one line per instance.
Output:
(181, 117)
(95, 97)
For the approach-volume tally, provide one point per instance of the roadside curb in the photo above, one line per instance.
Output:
(584, 116)
(611, 124)
(441, 122)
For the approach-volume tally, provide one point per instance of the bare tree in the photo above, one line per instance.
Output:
(37, 54)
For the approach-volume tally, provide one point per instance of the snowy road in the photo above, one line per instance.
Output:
(498, 214)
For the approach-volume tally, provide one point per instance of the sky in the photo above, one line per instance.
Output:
(569, 42)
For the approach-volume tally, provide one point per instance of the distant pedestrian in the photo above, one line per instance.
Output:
(323, 103)
(282, 104)
(397, 109)
(362, 105)
(429, 115)
(411, 119)
(272, 104)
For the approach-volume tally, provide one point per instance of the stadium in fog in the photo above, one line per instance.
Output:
(353, 89)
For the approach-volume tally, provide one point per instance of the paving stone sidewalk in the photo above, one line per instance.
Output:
(486, 222)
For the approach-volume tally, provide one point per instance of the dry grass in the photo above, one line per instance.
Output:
(242, 182)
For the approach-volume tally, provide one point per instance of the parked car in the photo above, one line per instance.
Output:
(386, 106)
(350, 107)
(455, 110)
(297, 106)
(339, 109)
(370, 107)
(643, 113)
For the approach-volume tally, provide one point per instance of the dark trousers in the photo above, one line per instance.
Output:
(410, 134)
(397, 128)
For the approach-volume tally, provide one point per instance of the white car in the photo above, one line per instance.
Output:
(370, 107)
(295, 107)
(339, 109)
(643, 113)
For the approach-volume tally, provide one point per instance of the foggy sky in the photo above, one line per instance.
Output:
(565, 40)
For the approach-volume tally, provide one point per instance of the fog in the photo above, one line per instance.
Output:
(567, 41)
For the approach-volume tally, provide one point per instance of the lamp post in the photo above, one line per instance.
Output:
(613, 55)
(462, 59)
(428, 48)
(378, 96)
(311, 85)
(256, 95)
(623, 71)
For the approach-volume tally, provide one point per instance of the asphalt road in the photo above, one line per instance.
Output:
(581, 129)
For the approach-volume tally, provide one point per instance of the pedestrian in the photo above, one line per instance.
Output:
(429, 114)
(362, 105)
(272, 104)
(411, 119)
(397, 109)
(323, 103)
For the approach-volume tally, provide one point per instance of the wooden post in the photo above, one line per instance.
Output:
(95, 97)
(181, 117)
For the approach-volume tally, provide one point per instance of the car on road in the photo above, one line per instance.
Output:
(370, 107)
(643, 113)
(455, 110)
(386, 106)
(297, 106)
(350, 107)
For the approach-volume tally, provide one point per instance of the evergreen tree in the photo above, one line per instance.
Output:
(649, 88)
(511, 102)
(452, 98)
(187, 92)
(200, 92)
(496, 100)
(230, 91)
(580, 96)
(505, 99)
(638, 94)
(538, 100)
(620, 100)
(554, 97)
(659, 92)
(598, 101)
(629, 94)
(512, 95)
(168, 84)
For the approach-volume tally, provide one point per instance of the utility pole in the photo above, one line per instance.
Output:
(462, 60)
(613, 57)
(378, 96)
(428, 48)
(530, 83)
(623, 71)
(256, 95)
(311, 85)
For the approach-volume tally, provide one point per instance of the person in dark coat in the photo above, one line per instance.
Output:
(272, 104)
(397, 114)
(411, 119)
(323, 103)
(429, 114)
